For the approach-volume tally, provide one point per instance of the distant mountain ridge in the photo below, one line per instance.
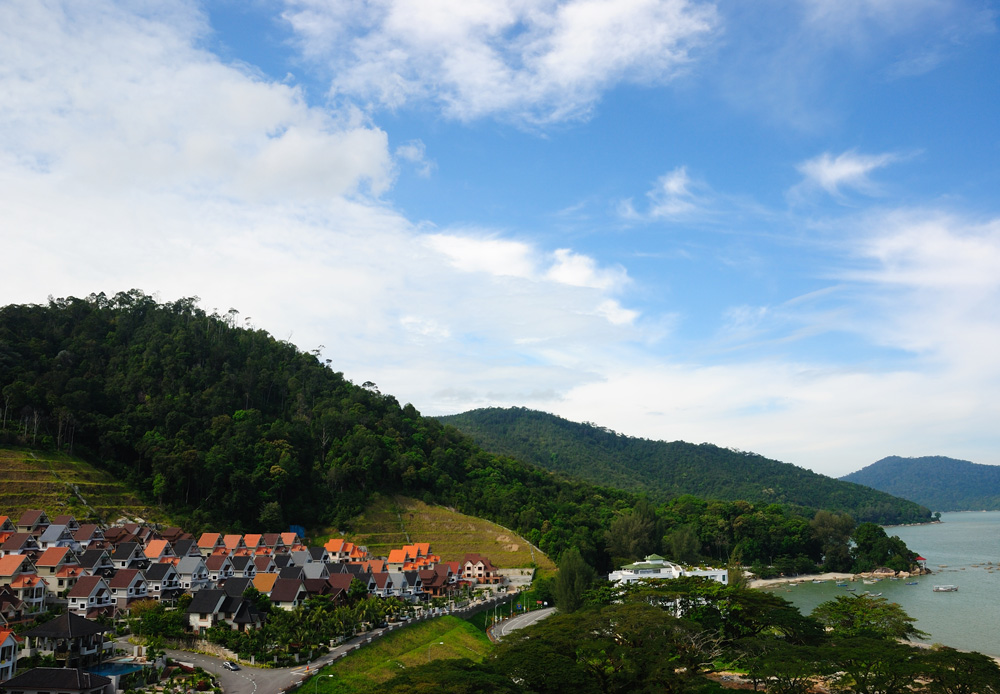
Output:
(665, 470)
(938, 482)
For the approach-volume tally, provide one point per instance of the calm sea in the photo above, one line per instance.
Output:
(963, 550)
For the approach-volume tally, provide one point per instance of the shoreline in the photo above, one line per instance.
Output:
(805, 578)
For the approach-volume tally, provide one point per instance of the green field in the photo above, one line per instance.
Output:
(391, 522)
(364, 670)
(55, 483)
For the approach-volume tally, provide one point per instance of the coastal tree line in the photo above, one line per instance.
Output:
(679, 636)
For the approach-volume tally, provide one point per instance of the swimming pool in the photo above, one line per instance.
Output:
(116, 668)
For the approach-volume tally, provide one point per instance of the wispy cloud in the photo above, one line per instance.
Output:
(505, 257)
(415, 153)
(847, 170)
(672, 197)
(530, 62)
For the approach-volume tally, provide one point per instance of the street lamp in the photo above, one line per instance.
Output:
(439, 643)
(316, 681)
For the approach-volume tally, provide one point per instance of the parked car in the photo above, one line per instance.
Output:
(230, 666)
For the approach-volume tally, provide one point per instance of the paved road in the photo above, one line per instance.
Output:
(253, 680)
(506, 627)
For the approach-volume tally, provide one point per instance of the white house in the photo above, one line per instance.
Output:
(656, 567)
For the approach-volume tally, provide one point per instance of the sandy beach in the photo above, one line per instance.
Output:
(832, 576)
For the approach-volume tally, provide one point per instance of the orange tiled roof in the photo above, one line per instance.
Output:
(52, 556)
(70, 571)
(27, 581)
(11, 563)
(155, 548)
(264, 582)
(253, 540)
(233, 541)
(334, 544)
(208, 539)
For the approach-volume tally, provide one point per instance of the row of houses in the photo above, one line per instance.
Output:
(92, 572)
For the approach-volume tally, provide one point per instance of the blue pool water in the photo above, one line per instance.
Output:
(119, 668)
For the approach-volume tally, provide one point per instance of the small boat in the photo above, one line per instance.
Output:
(852, 589)
(911, 583)
(841, 585)
(868, 583)
(816, 580)
(945, 589)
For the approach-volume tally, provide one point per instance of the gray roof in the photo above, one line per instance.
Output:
(158, 572)
(207, 600)
(61, 679)
(66, 625)
(235, 587)
(54, 532)
(315, 570)
(188, 565)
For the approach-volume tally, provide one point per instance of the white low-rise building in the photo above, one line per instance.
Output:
(656, 567)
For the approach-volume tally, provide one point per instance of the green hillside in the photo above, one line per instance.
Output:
(227, 427)
(667, 470)
(58, 484)
(389, 523)
(938, 482)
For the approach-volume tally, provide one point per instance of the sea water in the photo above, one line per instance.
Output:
(963, 550)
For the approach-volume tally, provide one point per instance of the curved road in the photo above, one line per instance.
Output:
(255, 680)
(506, 627)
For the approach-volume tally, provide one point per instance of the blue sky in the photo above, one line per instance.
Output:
(770, 226)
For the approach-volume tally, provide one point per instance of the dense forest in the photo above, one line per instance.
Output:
(227, 427)
(665, 470)
(940, 483)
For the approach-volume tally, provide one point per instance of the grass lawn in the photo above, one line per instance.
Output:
(391, 522)
(365, 669)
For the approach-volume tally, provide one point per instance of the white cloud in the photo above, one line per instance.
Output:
(847, 170)
(508, 258)
(579, 270)
(129, 158)
(491, 255)
(671, 197)
(415, 152)
(616, 313)
(937, 277)
(533, 61)
(120, 99)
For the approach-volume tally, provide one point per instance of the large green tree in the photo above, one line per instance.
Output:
(867, 616)
(873, 548)
(574, 578)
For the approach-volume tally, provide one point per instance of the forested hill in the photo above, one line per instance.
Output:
(228, 427)
(940, 483)
(665, 470)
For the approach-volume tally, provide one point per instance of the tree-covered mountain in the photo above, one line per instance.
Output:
(224, 426)
(229, 427)
(938, 482)
(665, 470)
